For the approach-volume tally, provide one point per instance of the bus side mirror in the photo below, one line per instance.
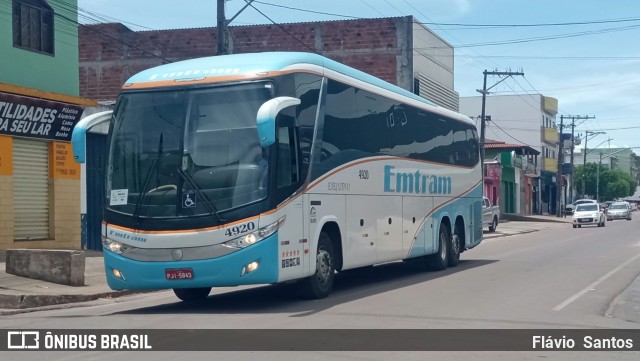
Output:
(266, 118)
(79, 134)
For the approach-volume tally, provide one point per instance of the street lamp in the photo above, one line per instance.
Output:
(598, 172)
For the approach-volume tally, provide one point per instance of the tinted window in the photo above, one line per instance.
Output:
(305, 87)
(360, 124)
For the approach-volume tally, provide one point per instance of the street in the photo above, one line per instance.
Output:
(557, 277)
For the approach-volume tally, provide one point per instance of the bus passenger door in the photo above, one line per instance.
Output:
(292, 234)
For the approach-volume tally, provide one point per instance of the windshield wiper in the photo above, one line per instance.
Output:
(143, 190)
(212, 209)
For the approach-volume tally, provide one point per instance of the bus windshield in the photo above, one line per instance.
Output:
(187, 152)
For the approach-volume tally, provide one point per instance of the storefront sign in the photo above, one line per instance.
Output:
(37, 118)
(61, 160)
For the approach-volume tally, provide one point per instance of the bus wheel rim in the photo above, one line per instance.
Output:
(324, 266)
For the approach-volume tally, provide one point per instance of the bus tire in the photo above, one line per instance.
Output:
(320, 284)
(192, 294)
(439, 260)
(455, 247)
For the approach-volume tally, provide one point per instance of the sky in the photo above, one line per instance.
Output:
(585, 53)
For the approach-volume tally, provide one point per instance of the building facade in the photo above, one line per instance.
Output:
(528, 120)
(399, 50)
(518, 183)
(39, 106)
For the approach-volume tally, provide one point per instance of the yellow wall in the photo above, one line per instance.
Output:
(551, 165)
(551, 135)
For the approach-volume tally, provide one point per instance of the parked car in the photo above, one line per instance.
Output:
(569, 209)
(588, 213)
(490, 214)
(619, 210)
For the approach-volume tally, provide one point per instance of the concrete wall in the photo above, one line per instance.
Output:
(432, 55)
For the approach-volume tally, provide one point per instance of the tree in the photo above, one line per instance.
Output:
(613, 183)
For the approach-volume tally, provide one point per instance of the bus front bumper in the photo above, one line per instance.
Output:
(217, 272)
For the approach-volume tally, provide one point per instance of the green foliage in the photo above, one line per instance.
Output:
(613, 183)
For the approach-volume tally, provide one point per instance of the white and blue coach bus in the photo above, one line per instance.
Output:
(272, 167)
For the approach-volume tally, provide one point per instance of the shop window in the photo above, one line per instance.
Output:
(33, 26)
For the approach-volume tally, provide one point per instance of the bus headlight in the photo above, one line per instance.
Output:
(255, 237)
(115, 247)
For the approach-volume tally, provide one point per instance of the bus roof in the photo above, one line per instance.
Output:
(257, 65)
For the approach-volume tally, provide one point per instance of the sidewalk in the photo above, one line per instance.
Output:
(19, 294)
(25, 293)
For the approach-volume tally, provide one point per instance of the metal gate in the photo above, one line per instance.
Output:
(96, 152)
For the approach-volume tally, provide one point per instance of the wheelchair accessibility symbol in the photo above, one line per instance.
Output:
(188, 199)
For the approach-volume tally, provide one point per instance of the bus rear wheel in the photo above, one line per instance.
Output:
(192, 294)
(319, 285)
(455, 246)
(439, 260)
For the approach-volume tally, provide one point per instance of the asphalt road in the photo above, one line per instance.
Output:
(558, 277)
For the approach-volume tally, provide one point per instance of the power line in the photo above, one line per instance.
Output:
(307, 11)
(398, 10)
(587, 22)
(282, 28)
(371, 7)
(548, 37)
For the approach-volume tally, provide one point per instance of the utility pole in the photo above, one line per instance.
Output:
(559, 211)
(223, 23)
(571, 161)
(584, 159)
(222, 29)
(484, 93)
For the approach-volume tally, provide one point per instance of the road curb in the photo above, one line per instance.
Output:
(626, 306)
(519, 218)
(24, 302)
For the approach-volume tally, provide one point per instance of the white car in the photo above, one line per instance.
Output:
(588, 213)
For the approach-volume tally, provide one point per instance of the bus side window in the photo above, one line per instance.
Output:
(287, 162)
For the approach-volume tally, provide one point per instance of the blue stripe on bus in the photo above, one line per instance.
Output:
(221, 271)
(460, 206)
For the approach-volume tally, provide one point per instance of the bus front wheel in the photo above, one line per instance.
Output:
(319, 285)
(192, 294)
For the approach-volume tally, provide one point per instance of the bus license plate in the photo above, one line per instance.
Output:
(179, 274)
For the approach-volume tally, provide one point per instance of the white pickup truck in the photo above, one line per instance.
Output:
(490, 214)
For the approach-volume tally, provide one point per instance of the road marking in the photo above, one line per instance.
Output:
(592, 286)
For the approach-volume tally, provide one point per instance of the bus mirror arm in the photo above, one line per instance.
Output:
(266, 118)
(79, 134)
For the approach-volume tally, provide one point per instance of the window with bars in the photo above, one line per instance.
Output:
(33, 26)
